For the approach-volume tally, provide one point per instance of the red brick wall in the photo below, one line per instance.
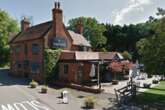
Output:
(21, 56)
(73, 72)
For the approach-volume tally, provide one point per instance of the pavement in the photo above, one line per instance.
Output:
(15, 94)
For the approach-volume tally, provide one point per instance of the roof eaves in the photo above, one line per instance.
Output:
(12, 40)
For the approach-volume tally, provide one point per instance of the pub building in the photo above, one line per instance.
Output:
(77, 63)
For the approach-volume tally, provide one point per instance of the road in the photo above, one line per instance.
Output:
(13, 97)
(15, 94)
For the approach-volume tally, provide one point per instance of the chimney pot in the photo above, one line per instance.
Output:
(58, 3)
(79, 27)
(25, 24)
(55, 5)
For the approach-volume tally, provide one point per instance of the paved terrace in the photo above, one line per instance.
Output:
(109, 88)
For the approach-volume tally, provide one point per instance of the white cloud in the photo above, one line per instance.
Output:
(133, 5)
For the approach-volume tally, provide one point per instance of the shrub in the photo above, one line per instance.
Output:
(127, 55)
(44, 89)
(90, 102)
(33, 84)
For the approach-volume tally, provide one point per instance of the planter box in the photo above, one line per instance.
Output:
(90, 102)
(44, 89)
(115, 82)
(33, 84)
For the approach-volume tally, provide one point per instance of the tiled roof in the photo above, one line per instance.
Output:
(40, 30)
(84, 56)
(34, 32)
(78, 39)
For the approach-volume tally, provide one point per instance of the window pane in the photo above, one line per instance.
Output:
(35, 67)
(65, 69)
(35, 48)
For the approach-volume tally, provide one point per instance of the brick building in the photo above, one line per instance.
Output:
(76, 59)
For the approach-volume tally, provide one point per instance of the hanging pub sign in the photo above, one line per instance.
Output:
(59, 42)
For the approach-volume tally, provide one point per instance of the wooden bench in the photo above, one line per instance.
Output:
(123, 94)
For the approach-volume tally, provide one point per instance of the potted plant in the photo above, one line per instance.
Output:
(90, 102)
(146, 85)
(33, 84)
(44, 89)
(155, 81)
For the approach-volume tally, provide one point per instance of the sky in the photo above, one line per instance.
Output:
(105, 11)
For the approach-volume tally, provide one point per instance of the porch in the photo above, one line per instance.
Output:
(82, 69)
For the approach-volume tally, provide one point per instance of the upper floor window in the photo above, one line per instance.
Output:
(59, 42)
(26, 49)
(17, 49)
(35, 48)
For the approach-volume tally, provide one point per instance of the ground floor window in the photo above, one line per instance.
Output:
(26, 63)
(35, 67)
(66, 68)
(18, 64)
(80, 73)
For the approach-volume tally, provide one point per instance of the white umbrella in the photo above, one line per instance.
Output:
(92, 73)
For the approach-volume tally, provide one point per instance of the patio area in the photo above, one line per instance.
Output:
(109, 87)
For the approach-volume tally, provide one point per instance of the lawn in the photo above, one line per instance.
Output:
(153, 96)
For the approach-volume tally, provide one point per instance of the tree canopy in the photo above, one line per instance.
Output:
(7, 26)
(124, 38)
(152, 49)
(93, 31)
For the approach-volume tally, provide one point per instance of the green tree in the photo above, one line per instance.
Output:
(152, 49)
(127, 55)
(161, 12)
(7, 26)
(124, 38)
(93, 31)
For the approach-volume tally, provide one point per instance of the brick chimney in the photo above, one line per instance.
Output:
(79, 27)
(25, 24)
(57, 19)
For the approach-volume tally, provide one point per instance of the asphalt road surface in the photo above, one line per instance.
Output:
(12, 97)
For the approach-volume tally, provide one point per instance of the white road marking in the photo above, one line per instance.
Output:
(21, 106)
(9, 107)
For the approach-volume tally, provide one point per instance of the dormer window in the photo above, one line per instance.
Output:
(59, 42)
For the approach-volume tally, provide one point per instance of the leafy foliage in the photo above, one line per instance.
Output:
(51, 58)
(93, 31)
(124, 38)
(152, 49)
(7, 26)
(127, 55)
